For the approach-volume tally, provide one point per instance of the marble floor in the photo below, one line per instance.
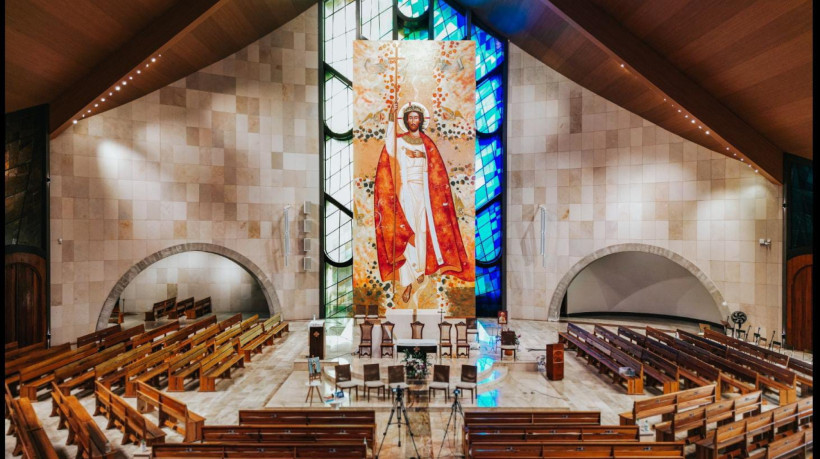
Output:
(278, 377)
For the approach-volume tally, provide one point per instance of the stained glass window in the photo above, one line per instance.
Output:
(377, 19)
(339, 170)
(338, 291)
(448, 24)
(413, 8)
(489, 52)
(489, 169)
(338, 234)
(488, 233)
(489, 105)
(338, 104)
(340, 31)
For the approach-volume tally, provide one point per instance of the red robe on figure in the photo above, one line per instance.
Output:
(393, 231)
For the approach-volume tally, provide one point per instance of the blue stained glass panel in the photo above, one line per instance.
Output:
(489, 52)
(448, 24)
(489, 169)
(413, 34)
(488, 282)
(488, 233)
(413, 8)
(489, 105)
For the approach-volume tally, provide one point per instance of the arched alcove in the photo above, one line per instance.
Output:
(566, 280)
(264, 283)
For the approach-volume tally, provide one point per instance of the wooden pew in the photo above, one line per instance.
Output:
(38, 355)
(160, 309)
(82, 429)
(41, 374)
(311, 416)
(199, 309)
(251, 342)
(608, 358)
(180, 308)
(183, 335)
(341, 450)
(32, 440)
(81, 372)
(20, 351)
(153, 365)
(526, 417)
(114, 370)
(229, 322)
(122, 336)
(172, 412)
(602, 450)
(249, 322)
(151, 335)
(218, 365)
(289, 432)
(750, 348)
(787, 446)
(667, 404)
(696, 421)
(184, 366)
(117, 316)
(665, 373)
(97, 336)
(10, 346)
(134, 426)
(547, 432)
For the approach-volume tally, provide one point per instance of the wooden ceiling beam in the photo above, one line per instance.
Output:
(159, 35)
(670, 83)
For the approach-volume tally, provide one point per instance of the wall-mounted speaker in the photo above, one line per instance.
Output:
(307, 207)
(307, 226)
(307, 263)
(307, 244)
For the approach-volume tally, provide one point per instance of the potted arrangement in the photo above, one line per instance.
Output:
(416, 366)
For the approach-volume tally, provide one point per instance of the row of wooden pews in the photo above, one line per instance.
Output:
(668, 404)
(160, 309)
(31, 440)
(606, 357)
(173, 310)
(501, 433)
(82, 429)
(171, 412)
(349, 433)
(656, 369)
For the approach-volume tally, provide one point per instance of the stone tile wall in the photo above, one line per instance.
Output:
(607, 177)
(214, 157)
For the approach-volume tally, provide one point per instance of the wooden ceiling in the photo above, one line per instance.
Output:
(71, 54)
(741, 68)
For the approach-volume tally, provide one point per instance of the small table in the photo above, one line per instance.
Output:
(423, 345)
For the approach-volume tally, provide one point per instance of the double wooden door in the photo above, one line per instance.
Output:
(25, 295)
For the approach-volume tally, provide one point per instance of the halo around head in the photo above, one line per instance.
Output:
(413, 107)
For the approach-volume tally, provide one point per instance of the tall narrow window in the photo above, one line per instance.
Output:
(341, 22)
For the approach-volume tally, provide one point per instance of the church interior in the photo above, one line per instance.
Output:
(408, 229)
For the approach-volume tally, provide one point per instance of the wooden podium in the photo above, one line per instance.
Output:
(316, 339)
(555, 361)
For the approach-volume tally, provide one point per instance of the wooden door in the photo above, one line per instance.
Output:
(25, 296)
(798, 302)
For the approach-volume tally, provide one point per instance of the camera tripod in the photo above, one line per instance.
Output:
(398, 406)
(455, 408)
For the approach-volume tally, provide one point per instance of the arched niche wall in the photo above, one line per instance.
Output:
(566, 280)
(264, 283)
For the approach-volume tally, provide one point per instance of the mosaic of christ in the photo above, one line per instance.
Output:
(414, 155)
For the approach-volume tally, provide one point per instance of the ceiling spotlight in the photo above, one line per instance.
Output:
(727, 148)
(153, 59)
(741, 160)
(755, 171)
(124, 83)
(103, 99)
(130, 78)
(159, 55)
(89, 110)
(147, 65)
(734, 154)
(96, 105)
(75, 121)
(686, 116)
(139, 71)
(117, 88)
(83, 115)
(664, 99)
(622, 66)
(707, 132)
(693, 121)
(110, 93)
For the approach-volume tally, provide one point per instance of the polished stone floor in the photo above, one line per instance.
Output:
(278, 378)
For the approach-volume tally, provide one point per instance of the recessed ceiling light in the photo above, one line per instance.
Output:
(110, 93)
(75, 121)
(153, 59)
(707, 132)
(89, 110)
(741, 160)
(96, 105)
(124, 83)
(727, 148)
(622, 66)
(139, 71)
(103, 99)
(755, 171)
(693, 121)
(117, 88)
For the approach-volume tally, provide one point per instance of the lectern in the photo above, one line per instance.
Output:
(555, 361)
(316, 339)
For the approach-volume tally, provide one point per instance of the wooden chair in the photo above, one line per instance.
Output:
(508, 343)
(366, 343)
(359, 311)
(444, 339)
(461, 339)
(387, 338)
(372, 311)
(417, 329)
(345, 381)
(373, 380)
(469, 380)
(472, 327)
(441, 381)
(703, 328)
(395, 377)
